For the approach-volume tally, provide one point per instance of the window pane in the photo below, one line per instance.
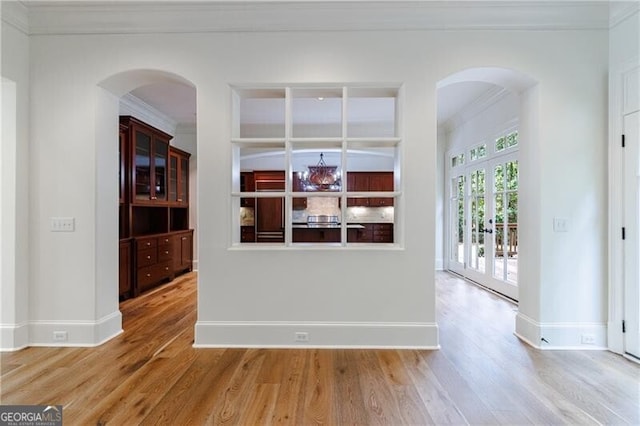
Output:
(512, 175)
(498, 178)
(501, 144)
(371, 113)
(512, 139)
(316, 169)
(316, 113)
(261, 113)
(458, 160)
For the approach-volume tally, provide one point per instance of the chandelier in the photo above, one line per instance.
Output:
(322, 177)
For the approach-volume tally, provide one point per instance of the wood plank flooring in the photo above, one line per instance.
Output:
(483, 374)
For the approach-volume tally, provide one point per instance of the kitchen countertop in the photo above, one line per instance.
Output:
(326, 226)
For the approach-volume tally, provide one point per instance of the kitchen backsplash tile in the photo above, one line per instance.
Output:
(370, 214)
(329, 206)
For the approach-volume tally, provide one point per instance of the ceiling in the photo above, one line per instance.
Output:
(175, 100)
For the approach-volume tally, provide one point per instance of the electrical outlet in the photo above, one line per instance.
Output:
(60, 336)
(301, 336)
(588, 339)
(560, 224)
(63, 224)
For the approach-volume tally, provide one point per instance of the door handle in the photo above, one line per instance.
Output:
(487, 231)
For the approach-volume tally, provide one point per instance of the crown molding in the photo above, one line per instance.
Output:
(136, 17)
(478, 105)
(621, 10)
(16, 14)
(136, 107)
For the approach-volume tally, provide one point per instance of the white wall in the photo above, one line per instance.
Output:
(342, 297)
(440, 197)
(14, 287)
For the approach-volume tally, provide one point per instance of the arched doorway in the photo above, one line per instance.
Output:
(167, 103)
(487, 121)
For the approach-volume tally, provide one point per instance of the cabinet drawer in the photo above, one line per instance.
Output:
(164, 241)
(164, 253)
(153, 274)
(146, 257)
(146, 243)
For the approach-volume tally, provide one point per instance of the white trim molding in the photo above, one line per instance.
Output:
(621, 10)
(102, 17)
(78, 333)
(222, 334)
(136, 107)
(561, 335)
(16, 14)
(14, 337)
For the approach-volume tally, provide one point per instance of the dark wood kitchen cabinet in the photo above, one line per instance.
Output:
(247, 234)
(360, 235)
(125, 287)
(247, 184)
(269, 212)
(382, 233)
(370, 182)
(153, 261)
(182, 252)
(149, 159)
(381, 182)
(178, 177)
(316, 235)
(298, 203)
(371, 233)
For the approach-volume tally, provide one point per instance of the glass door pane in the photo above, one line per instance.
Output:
(183, 190)
(477, 220)
(173, 178)
(161, 152)
(143, 166)
(457, 221)
(505, 198)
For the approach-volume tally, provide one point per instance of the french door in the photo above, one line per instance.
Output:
(632, 234)
(483, 223)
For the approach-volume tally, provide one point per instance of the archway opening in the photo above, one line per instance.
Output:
(162, 108)
(487, 133)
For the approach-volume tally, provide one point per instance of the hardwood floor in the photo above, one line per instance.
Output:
(483, 374)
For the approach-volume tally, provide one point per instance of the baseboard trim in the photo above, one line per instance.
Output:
(216, 334)
(79, 333)
(561, 336)
(14, 337)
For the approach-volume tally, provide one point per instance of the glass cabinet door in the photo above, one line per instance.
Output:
(183, 193)
(143, 187)
(173, 178)
(160, 160)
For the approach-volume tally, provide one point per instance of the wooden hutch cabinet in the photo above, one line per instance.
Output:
(156, 243)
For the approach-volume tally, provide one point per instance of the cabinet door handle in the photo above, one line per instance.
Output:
(149, 257)
(180, 199)
(166, 252)
(184, 238)
(148, 275)
(153, 198)
(148, 244)
(166, 268)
